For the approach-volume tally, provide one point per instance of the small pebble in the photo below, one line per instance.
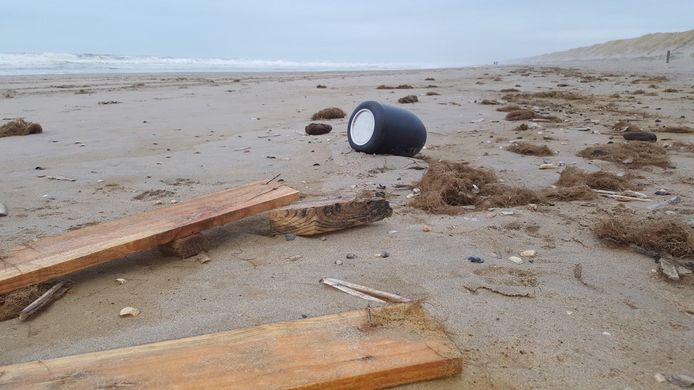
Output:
(294, 258)
(120, 281)
(528, 253)
(383, 254)
(475, 259)
(290, 236)
(392, 231)
(338, 262)
(324, 238)
(426, 228)
(663, 191)
(516, 259)
(660, 378)
(351, 256)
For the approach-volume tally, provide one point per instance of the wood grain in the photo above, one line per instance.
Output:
(76, 250)
(402, 344)
(319, 217)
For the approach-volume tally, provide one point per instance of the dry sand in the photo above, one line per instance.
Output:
(195, 134)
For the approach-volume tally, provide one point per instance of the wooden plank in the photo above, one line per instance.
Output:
(401, 344)
(60, 255)
(319, 217)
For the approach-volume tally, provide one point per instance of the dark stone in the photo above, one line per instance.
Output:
(475, 259)
(639, 136)
(318, 128)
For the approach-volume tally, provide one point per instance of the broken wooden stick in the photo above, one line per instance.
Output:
(624, 195)
(319, 217)
(370, 292)
(55, 292)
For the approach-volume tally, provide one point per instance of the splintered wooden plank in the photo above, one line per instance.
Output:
(60, 255)
(402, 344)
(319, 217)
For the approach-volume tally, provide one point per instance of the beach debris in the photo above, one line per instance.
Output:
(528, 253)
(55, 292)
(475, 259)
(401, 86)
(426, 228)
(351, 256)
(601, 180)
(19, 127)
(318, 128)
(203, 258)
(473, 290)
(669, 269)
(581, 129)
(121, 281)
(154, 194)
(660, 378)
(321, 86)
(3, 210)
(528, 149)
(662, 235)
(488, 102)
(383, 254)
(548, 166)
(640, 136)
(129, 311)
(363, 291)
(329, 113)
(312, 218)
(60, 178)
(105, 102)
(605, 333)
(624, 196)
(636, 154)
(663, 191)
(408, 99)
(516, 259)
(432, 93)
(681, 380)
(674, 199)
(290, 236)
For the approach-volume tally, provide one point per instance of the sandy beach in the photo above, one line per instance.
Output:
(519, 326)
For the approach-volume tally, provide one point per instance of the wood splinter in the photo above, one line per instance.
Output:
(319, 217)
(185, 247)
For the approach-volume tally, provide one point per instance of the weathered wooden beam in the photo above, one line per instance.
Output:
(53, 257)
(318, 217)
(394, 345)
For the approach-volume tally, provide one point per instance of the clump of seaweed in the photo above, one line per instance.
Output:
(600, 180)
(635, 154)
(408, 99)
(662, 235)
(329, 113)
(527, 149)
(19, 127)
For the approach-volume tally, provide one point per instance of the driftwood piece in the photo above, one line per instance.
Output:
(381, 295)
(318, 217)
(55, 292)
(185, 247)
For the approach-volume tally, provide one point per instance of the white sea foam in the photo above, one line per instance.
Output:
(65, 63)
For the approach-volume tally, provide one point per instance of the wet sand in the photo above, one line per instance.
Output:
(195, 134)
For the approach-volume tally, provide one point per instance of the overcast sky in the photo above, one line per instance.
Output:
(426, 32)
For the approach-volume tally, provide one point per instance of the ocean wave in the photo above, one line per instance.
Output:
(66, 63)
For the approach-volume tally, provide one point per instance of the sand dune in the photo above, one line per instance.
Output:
(647, 47)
